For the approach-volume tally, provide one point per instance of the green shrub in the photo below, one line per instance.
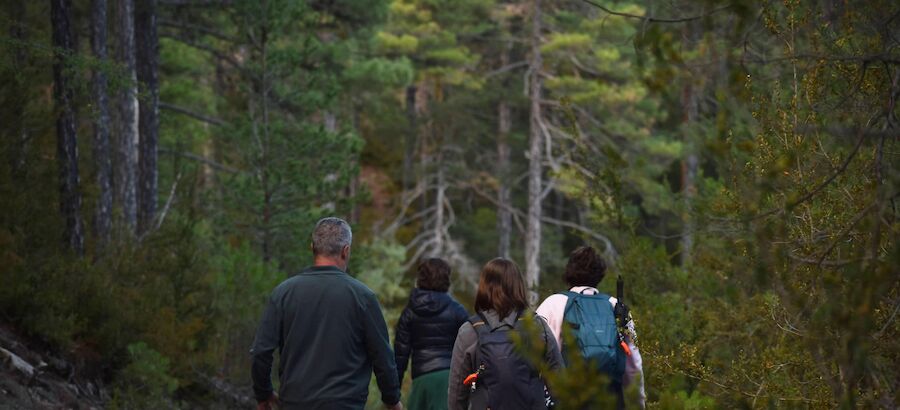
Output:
(145, 383)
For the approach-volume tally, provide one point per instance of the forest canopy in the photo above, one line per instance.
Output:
(735, 162)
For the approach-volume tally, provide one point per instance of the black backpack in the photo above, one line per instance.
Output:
(506, 381)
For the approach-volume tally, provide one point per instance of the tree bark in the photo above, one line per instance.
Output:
(126, 175)
(264, 172)
(102, 153)
(353, 187)
(689, 168)
(440, 217)
(533, 228)
(147, 43)
(409, 143)
(17, 131)
(504, 217)
(690, 98)
(66, 138)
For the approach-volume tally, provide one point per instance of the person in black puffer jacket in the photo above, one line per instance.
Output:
(427, 330)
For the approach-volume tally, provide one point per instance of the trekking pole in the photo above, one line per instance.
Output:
(620, 288)
(621, 313)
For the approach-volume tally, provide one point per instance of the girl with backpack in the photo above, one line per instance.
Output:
(591, 314)
(426, 331)
(486, 372)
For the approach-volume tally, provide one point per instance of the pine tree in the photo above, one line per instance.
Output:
(66, 137)
(147, 60)
(101, 143)
(128, 139)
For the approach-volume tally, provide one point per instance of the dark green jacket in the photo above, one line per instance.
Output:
(330, 332)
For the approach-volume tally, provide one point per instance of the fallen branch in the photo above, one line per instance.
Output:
(16, 363)
(226, 390)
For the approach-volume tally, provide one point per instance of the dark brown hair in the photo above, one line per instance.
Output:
(501, 288)
(433, 274)
(585, 267)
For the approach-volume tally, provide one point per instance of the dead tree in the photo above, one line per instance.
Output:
(533, 228)
(126, 174)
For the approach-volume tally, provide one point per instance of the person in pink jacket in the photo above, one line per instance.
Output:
(584, 271)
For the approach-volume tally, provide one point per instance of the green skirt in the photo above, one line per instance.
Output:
(429, 391)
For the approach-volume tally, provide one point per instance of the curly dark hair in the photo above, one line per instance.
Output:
(433, 274)
(585, 267)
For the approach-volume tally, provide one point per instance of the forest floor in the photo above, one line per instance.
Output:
(35, 378)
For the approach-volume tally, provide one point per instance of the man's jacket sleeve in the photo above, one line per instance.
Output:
(268, 338)
(378, 345)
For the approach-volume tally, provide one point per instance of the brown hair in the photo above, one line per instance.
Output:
(501, 288)
(585, 267)
(433, 274)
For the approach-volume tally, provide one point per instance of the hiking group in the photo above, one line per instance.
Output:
(330, 334)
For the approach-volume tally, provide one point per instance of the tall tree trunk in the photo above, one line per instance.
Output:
(504, 216)
(689, 165)
(439, 198)
(423, 142)
(102, 153)
(353, 187)
(263, 91)
(17, 131)
(126, 175)
(689, 168)
(148, 74)
(329, 122)
(533, 229)
(410, 142)
(66, 138)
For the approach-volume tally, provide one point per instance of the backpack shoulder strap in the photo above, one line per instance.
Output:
(478, 322)
(570, 298)
(605, 298)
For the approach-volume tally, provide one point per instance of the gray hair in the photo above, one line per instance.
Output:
(331, 236)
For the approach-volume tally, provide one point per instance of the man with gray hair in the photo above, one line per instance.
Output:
(330, 332)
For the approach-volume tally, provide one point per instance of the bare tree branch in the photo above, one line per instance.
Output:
(609, 251)
(215, 53)
(864, 59)
(195, 3)
(193, 114)
(821, 186)
(165, 210)
(657, 19)
(198, 158)
(197, 28)
(508, 67)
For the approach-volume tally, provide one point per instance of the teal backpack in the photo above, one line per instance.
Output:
(593, 324)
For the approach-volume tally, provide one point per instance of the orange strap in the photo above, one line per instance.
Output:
(470, 379)
(625, 348)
